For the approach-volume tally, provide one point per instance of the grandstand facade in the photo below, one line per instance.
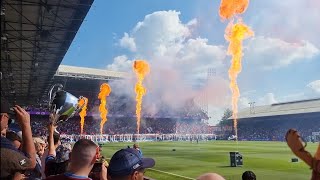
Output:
(271, 122)
(310, 107)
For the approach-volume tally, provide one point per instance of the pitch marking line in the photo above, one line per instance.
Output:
(185, 177)
(171, 173)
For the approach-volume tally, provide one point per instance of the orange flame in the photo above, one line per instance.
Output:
(229, 8)
(235, 34)
(105, 90)
(141, 68)
(83, 113)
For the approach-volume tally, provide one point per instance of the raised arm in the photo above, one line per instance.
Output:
(295, 143)
(23, 118)
(51, 129)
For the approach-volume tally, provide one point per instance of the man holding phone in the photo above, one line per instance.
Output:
(12, 160)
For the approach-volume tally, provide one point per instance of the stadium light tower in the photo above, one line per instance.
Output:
(252, 111)
(211, 74)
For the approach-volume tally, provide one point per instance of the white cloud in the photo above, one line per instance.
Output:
(192, 23)
(270, 53)
(267, 99)
(159, 31)
(120, 63)
(289, 19)
(177, 59)
(243, 102)
(128, 42)
(314, 86)
(163, 40)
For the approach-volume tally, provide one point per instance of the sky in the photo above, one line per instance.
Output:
(182, 39)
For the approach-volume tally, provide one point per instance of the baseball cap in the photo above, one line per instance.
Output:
(16, 129)
(62, 152)
(126, 161)
(13, 136)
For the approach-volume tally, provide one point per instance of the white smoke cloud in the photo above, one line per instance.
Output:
(314, 86)
(178, 61)
(271, 53)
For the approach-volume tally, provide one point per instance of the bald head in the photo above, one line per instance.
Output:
(83, 153)
(210, 176)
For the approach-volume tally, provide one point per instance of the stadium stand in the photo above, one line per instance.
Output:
(35, 36)
(270, 122)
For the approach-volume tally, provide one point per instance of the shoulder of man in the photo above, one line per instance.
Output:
(12, 160)
(60, 176)
(52, 168)
(65, 177)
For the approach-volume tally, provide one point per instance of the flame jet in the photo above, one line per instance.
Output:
(83, 113)
(235, 34)
(141, 69)
(105, 90)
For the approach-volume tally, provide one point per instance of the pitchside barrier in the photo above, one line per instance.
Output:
(105, 138)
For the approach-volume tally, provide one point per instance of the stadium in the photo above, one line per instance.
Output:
(35, 37)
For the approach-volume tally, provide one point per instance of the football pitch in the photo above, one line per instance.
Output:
(268, 160)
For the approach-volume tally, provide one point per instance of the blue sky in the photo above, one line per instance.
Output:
(108, 20)
(186, 37)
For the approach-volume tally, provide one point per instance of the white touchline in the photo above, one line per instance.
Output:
(185, 177)
(171, 173)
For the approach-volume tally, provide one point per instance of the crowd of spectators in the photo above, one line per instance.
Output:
(274, 130)
(27, 155)
(251, 130)
(122, 125)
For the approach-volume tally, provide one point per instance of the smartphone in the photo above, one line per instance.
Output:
(97, 167)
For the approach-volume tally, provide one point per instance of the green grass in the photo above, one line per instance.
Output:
(268, 160)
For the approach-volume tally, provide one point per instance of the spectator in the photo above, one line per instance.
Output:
(248, 175)
(57, 161)
(210, 176)
(12, 160)
(40, 146)
(295, 143)
(128, 164)
(83, 157)
(56, 143)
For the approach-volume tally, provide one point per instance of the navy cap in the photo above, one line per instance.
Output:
(126, 161)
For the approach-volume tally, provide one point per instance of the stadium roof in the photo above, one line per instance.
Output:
(35, 36)
(286, 108)
(89, 73)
